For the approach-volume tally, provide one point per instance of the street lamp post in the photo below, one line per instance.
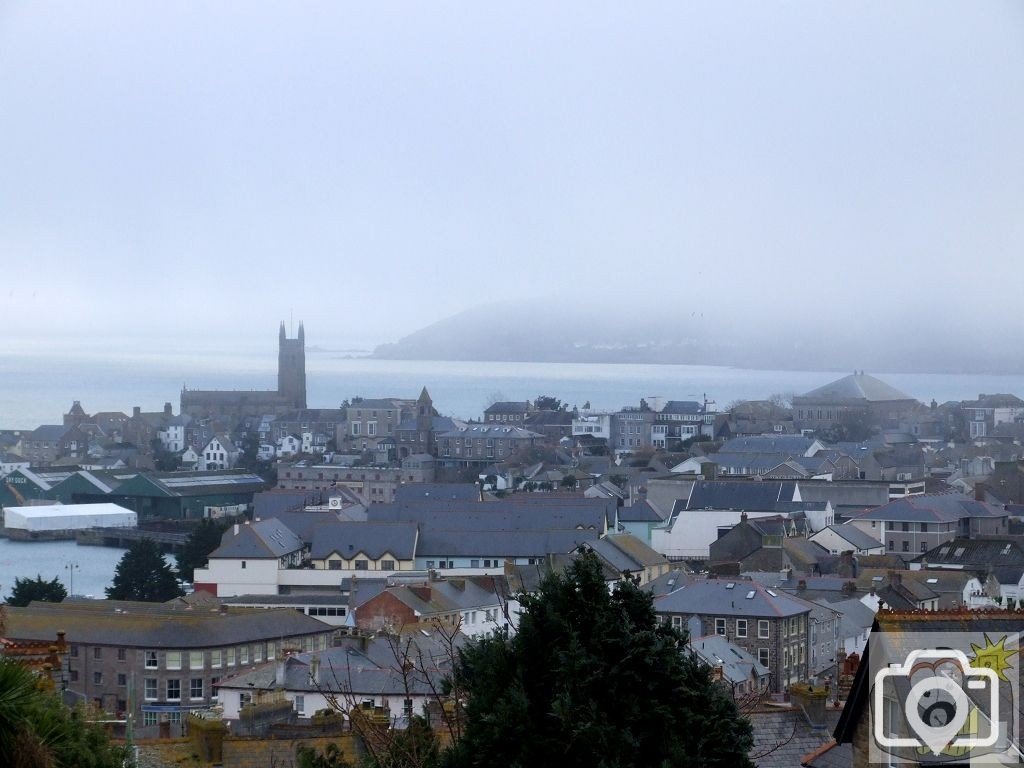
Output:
(71, 568)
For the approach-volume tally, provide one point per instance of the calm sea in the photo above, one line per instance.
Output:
(93, 567)
(36, 387)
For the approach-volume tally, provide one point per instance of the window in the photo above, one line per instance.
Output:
(924, 527)
(97, 652)
(763, 656)
(74, 675)
(174, 690)
(362, 565)
(216, 658)
(150, 689)
(231, 657)
(355, 428)
(122, 679)
(741, 627)
(334, 565)
(195, 660)
(97, 678)
(892, 545)
(300, 704)
(243, 654)
(906, 526)
(243, 563)
(906, 546)
(924, 546)
(122, 654)
(430, 563)
(195, 688)
(151, 660)
(173, 660)
(74, 651)
(762, 629)
(719, 626)
(474, 563)
(387, 565)
(257, 653)
(149, 718)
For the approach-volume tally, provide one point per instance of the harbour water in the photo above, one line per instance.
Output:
(37, 386)
(93, 567)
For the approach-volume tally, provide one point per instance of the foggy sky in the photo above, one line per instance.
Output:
(206, 168)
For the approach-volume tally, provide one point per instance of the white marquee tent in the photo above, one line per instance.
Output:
(64, 517)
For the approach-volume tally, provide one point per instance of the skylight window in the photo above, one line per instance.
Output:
(1006, 550)
(959, 552)
(932, 581)
(876, 578)
(750, 595)
(772, 592)
(731, 585)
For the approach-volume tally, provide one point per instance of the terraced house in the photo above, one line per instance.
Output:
(153, 659)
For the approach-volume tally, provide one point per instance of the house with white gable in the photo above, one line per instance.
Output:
(218, 453)
(172, 433)
(287, 446)
(847, 538)
(712, 507)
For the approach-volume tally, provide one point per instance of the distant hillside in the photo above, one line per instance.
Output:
(775, 338)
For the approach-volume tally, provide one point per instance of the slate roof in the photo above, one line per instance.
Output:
(855, 536)
(640, 512)
(372, 539)
(508, 406)
(515, 513)
(441, 543)
(627, 550)
(49, 432)
(685, 407)
(979, 554)
(856, 616)
(264, 539)
(434, 491)
(856, 387)
(782, 739)
(737, 665)
(792, 445)
(271, 503)
(437, 424)
(351, 670)
(155, 625)
(715, 597)
(934, 508)
(669, 582)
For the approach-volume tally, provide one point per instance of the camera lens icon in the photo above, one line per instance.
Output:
(937, 705)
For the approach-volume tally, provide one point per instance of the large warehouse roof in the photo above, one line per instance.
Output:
(52, 517)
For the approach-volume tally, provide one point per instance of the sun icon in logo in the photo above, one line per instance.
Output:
(994, 656)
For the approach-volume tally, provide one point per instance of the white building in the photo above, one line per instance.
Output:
(219, 453)
(68, 517)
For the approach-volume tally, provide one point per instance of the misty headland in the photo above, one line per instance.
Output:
(798, 335)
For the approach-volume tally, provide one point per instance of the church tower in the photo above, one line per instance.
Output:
(291, 367)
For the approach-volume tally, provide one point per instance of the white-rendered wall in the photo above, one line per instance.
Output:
(695, 529)
(259, 577)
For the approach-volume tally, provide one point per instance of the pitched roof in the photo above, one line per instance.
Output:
(795, 445)
(625, 552)
(855, 536)
(639, 512)
(490, 430)
(155, 625)
(371, 539)
(718, 597)
(263, 539)
(748, 495)
(508, 406)
(49, 432)
(434, 491)
(856, 387)
(938, 508)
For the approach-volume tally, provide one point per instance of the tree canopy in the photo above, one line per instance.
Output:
(26, 590)
(143, 574)
(38, 731)
(592, 679)
(204, 538)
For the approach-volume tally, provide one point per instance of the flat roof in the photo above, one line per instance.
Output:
(63, 510)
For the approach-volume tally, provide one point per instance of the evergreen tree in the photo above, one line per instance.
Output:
(38, 731)
(27, 590)
(200, 543)
(591, 679)
(143, 574)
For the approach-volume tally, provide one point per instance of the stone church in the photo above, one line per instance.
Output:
(289, 396)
